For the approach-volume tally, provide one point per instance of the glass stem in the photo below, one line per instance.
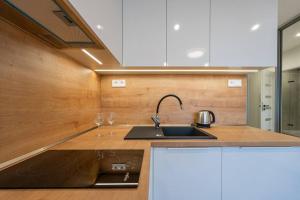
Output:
(99, 131)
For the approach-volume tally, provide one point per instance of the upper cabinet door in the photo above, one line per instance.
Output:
(188, 32)
(144, 32)
(243, 32)
(105, 19)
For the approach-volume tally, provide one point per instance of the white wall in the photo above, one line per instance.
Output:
(291, 59)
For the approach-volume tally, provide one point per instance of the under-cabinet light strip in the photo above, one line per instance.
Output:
(91, 56)
(177, 70)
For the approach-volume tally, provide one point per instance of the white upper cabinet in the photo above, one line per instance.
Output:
(144, 32)
(105, 19)
(183, 33)
(243, 33)
(188, 32)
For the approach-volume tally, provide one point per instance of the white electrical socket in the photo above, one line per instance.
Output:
(234, 83)
(118, 83)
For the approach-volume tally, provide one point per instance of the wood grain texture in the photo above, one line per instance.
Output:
(112, 138)
(137, 102)
(44, 95)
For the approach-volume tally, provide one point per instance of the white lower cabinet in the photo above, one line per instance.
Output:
(229, 173)
(186, 173)
(261, 173)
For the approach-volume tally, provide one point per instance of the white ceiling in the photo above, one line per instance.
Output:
(288, 9)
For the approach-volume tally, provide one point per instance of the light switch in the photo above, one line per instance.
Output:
(118, 83)
(234, 83)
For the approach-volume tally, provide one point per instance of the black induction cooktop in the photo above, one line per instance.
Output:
(75, 169)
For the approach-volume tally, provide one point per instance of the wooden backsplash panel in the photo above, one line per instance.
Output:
(137, 102)
(44, 95)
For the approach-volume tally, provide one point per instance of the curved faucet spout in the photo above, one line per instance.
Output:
(168, 95)
(155, 118)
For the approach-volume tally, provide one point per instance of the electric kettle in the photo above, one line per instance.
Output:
(205, 118)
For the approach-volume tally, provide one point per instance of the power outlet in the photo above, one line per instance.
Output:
(118, 167)
(233, 83)
(118, 83)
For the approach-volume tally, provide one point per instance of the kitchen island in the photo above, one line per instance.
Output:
(112, 138)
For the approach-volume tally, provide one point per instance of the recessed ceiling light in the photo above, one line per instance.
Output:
(176, 27)
(99, 27)
(298, 34)
(165, 64)
(195, 53)
(91, 56)
(206, 64)
(255, 27)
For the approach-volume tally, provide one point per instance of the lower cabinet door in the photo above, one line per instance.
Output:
(186, 174)
(261, 173)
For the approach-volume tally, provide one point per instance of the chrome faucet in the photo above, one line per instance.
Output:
(155, 118)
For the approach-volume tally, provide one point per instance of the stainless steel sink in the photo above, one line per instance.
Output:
(167, 132)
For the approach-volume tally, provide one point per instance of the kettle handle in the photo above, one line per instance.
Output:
(213, 116)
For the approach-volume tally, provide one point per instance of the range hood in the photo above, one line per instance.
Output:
(47, 20)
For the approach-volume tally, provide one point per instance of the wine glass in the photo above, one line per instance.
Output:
(111, 120)
(99, 121)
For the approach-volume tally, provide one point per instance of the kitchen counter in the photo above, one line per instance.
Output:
(112, 138)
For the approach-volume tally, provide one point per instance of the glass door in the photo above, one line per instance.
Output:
(290, 84)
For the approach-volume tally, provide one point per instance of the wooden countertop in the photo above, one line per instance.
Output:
(112, 138)
(235, 136)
